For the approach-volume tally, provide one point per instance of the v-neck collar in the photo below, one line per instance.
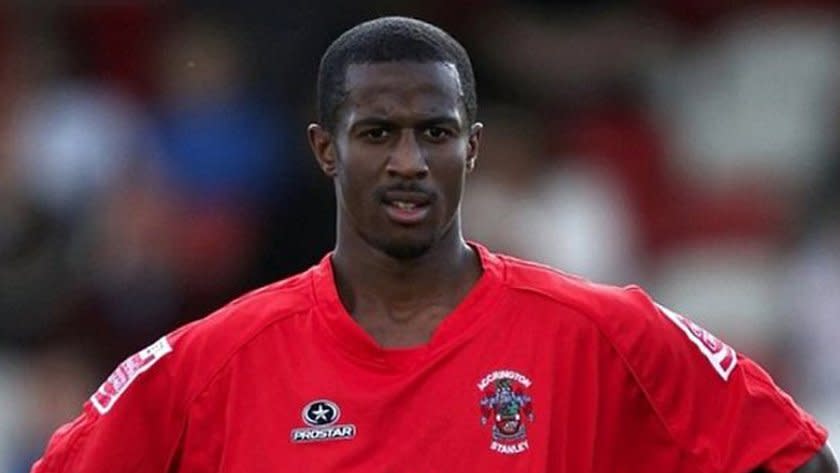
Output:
(458, 325)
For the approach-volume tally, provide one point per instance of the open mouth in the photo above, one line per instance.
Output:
(407, 208)
(402, 205)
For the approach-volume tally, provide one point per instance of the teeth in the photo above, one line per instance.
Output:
(404, 205)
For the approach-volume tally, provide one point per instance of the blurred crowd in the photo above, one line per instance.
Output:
(153, 165)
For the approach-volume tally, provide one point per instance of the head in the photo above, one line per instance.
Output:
(396, 133)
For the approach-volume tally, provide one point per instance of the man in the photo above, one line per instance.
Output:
(410, 350)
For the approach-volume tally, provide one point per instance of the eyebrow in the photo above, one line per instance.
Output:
(387, 122)
(441, 120)
(372, 121)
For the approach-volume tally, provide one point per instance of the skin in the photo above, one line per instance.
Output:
(403, 125)
(823, 462)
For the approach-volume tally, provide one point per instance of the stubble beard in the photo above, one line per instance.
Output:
(410, 249)
(402, 250)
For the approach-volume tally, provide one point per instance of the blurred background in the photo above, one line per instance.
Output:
(153, 165)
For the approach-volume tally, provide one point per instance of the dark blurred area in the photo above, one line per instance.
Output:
(153, 165)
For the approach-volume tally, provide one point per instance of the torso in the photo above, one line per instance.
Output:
(512, 381)
(534, 372)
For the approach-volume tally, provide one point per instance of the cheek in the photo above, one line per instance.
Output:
(451, 191)
(356, 179)
(456, 191)
(450, 173)
(351, 187)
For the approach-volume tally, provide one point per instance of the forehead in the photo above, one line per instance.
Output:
(393, 89)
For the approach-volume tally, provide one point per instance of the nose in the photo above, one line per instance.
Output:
(406, 158)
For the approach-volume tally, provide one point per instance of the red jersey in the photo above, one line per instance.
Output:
(535, 371)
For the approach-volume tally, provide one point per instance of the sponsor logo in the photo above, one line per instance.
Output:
(107, 395)
(322, 416)
(506, 406)
(321, 412)
(720, 355)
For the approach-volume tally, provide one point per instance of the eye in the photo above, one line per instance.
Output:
(376, 134)
(437, 133)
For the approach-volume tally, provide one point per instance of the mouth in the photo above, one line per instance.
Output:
(407, 208)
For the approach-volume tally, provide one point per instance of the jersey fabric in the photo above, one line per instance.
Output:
(535, 371)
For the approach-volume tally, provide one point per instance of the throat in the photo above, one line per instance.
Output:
(400, 329)
(400, 304)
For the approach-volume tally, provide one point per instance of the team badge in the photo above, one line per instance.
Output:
(322, 416)
(506, 406)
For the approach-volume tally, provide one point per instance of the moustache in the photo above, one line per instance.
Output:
(382, 193)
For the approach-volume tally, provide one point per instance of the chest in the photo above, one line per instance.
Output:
(495, 404)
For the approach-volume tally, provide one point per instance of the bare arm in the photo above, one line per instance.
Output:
(823, 462)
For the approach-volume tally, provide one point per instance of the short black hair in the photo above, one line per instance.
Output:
(389, 39)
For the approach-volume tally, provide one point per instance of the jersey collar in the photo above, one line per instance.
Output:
(456, 327)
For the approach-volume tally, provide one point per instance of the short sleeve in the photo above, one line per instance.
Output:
(720, 407)
(131, 423)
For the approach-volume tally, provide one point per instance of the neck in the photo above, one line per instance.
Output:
(400, 301)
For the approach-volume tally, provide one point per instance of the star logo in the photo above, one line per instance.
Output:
(320, 413)
(321, 417)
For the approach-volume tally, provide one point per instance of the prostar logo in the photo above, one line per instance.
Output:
(322, 416)
(320, 412)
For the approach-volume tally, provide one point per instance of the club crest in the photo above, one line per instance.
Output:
(506, 406)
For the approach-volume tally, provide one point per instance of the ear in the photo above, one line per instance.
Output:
(473, 142)
(323, 147)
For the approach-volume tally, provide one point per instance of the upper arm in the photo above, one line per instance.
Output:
(721, 408)
(131, 423)
(822, 462)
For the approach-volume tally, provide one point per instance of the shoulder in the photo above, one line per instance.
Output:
(250, 313)
(626, 317)
(603, 305)
(705, 394)
(203, 347)
(181, 364)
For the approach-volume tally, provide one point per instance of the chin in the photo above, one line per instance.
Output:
(403, 249)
